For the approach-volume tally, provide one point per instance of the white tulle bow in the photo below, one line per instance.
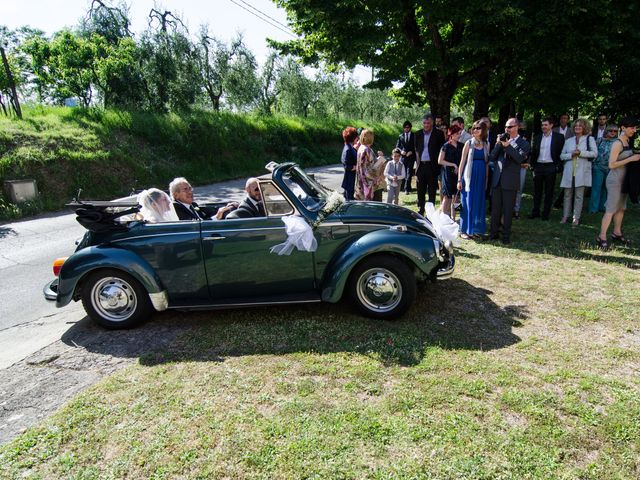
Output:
(299, 235)
(445, 228)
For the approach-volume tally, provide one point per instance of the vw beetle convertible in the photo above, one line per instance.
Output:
(372, 252)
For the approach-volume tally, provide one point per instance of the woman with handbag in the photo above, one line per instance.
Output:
(578, 153)
(621, 154)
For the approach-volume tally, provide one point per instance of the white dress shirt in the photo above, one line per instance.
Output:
(545, 149)
(425, 151)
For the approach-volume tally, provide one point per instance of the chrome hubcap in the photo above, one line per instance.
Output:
(114, 299)
(379, 289)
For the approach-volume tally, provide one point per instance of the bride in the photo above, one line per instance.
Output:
(156, 206)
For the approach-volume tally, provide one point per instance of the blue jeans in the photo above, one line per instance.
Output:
(598, 190)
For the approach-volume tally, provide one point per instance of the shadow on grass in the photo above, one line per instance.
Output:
(562, 240)
(451, 314)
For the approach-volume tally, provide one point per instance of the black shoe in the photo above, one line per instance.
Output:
(494, 236)
(506, 241)
(619, 239)
(602, 244)
(531, 216)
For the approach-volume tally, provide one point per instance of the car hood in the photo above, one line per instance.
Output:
(383, 213)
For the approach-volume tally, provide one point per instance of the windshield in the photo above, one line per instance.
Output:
(312, 195)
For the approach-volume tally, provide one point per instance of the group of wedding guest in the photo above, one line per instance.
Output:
(471, 168)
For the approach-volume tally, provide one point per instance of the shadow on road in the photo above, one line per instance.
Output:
(7, 232)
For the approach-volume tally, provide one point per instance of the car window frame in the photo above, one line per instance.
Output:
(294, 209)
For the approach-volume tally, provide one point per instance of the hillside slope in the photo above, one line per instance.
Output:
(107, 153)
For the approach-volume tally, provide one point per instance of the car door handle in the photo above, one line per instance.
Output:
(214, 236)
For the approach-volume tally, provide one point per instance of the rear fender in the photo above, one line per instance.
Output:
(89, 259)
(417, 248)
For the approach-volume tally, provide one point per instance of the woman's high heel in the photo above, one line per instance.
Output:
(602, 244)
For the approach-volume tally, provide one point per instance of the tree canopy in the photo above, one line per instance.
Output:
(552, 56)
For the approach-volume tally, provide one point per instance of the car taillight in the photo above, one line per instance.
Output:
(57, 265)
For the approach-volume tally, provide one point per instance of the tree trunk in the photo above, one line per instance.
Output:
(2, 106)
(440, 90)
(537, 123)
(12, 85)
(481, 99)
(505, 113)
(481, 104)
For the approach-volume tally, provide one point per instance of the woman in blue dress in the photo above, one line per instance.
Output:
(349, 160)
(472, 182)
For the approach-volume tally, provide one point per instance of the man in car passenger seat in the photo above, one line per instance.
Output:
(251, 206)
(182, 196)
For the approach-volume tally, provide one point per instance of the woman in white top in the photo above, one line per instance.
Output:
(156, 206)
(577, 154)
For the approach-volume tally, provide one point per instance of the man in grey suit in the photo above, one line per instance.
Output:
(510, 152)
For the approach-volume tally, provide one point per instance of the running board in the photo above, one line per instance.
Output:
(252, 302)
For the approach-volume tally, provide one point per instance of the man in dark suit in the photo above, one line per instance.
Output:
(545, 161)
(599, 127)
(429, 141)
(186, 209)
(510, 152)
(407, 145)
(251, 206)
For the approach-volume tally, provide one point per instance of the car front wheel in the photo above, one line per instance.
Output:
(115, 299)
(383, 287)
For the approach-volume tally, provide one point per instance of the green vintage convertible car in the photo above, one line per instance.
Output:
(374, 253)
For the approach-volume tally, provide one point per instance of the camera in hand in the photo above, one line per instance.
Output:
(504, 137)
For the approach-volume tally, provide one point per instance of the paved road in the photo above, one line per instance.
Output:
(27, 250)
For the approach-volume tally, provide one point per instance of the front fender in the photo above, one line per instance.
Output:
(93, 258)
(418, 248)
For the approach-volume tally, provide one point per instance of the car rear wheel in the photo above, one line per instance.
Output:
(115, 299)
(382, 287)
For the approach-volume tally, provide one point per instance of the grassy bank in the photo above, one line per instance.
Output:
(524, 365)
(108, 153)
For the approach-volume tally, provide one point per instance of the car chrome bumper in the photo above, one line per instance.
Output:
(445, 269)
(50, 290)
(160, 300)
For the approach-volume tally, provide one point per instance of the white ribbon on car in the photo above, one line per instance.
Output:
(299, 235)
(445, 228)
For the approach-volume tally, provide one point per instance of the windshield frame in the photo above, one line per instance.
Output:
(310, 187)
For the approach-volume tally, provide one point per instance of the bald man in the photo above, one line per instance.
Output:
(252, 205)
(510, 152)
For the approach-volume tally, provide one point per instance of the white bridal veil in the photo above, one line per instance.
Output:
(156, 206)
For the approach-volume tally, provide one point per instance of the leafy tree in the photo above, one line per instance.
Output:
(119, 76)
(424, 45)
(226, 70)
(297, 92)
(110, 22)
(169, 67)
(268, 92)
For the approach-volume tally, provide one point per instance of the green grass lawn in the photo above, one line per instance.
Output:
(524, 364)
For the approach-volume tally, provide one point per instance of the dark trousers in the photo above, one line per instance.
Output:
(544, 179)
(502, 205)
(408, 173)
(426, 183)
